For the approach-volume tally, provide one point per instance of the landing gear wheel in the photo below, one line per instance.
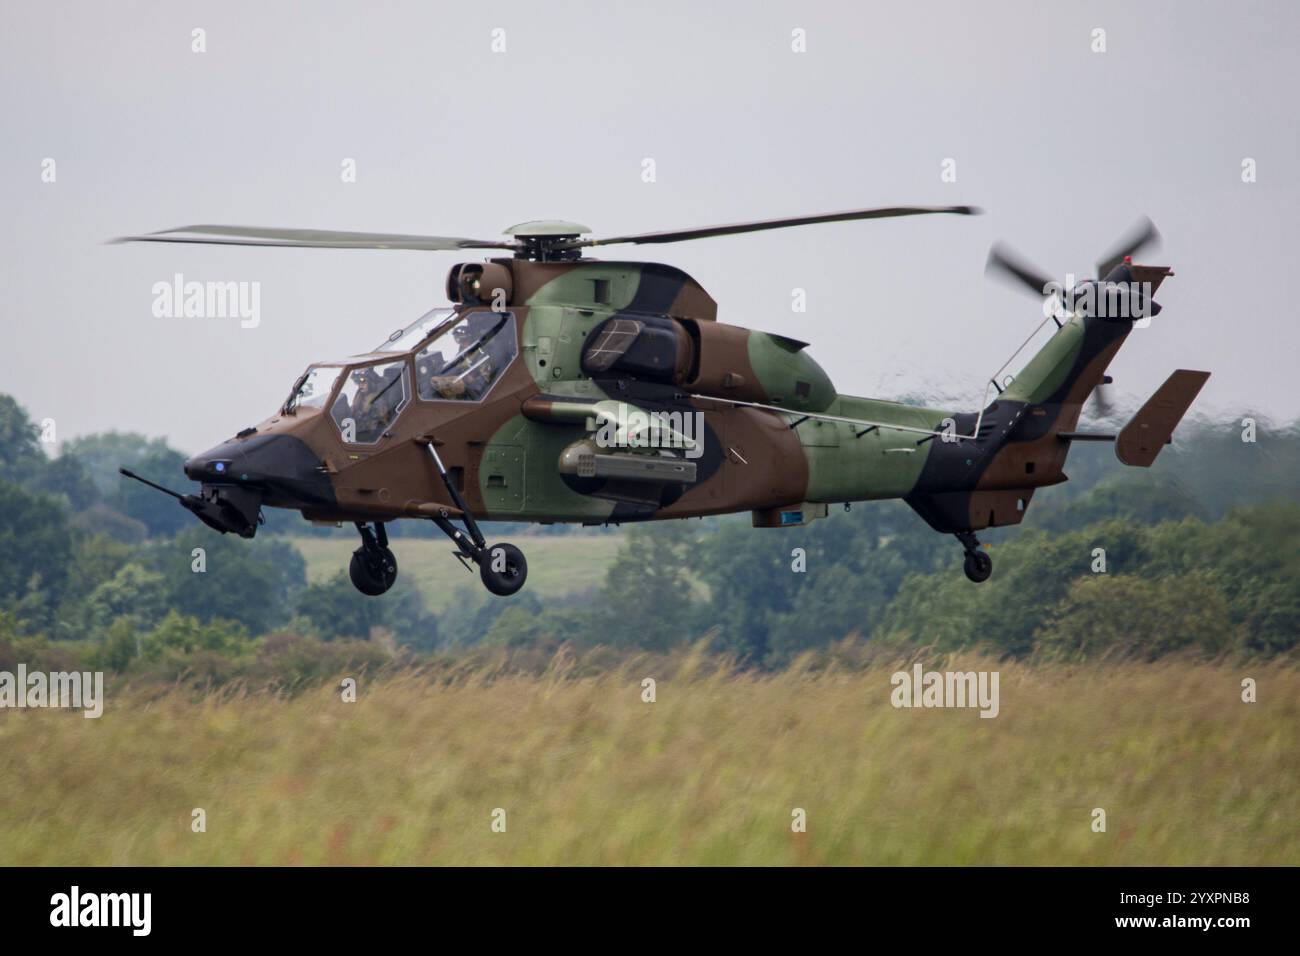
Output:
(373, 570)
(503, 569)
(978, 566)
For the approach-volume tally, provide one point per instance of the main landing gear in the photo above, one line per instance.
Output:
(373, 568)
(501, 567)
(978, 565)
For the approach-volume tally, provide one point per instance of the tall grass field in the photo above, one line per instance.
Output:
(577, 768)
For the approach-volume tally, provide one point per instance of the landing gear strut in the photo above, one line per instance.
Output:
(978, 565)
(373, 568)
(501, 567)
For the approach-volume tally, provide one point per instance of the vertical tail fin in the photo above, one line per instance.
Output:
(1141, 440)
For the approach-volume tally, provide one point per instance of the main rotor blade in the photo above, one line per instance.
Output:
(681, 235)
(1003, 260)
(1144, 233)
(312, 238)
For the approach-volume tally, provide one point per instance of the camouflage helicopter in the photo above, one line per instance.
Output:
(559, 388)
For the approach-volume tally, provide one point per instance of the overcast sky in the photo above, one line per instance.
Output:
(1064, 147)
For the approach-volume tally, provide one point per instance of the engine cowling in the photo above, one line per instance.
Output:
(708, 358)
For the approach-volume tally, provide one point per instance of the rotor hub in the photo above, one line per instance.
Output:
(548, 240)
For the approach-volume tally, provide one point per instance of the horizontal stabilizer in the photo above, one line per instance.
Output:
(1084, 436)
(1153, 426)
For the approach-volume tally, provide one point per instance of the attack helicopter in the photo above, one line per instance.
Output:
(560, 388)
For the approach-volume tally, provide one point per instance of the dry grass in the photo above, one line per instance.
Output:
(709, 774)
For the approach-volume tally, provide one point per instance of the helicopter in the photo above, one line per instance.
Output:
(561, 388)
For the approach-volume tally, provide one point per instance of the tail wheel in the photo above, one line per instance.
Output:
(373, 570)
(503, 569)
(978, 566)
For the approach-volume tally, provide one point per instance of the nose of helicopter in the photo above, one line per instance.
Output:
(283, 467)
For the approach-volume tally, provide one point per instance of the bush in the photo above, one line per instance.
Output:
(1133, 616)
(291, 660)
(178, 637)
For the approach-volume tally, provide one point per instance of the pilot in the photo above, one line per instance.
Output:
(368, 404)
(471, 372)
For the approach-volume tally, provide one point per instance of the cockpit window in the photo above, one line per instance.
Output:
(464, 362)
(408, 338)
(314, 388)
(370, 400)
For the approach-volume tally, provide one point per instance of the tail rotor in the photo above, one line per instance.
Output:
(1121, 290)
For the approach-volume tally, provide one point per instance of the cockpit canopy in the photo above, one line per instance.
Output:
(464, 361)
(313, 388)
(447, 358)
(370, 400)
(403, 340)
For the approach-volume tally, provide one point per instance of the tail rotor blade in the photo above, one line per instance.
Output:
(1102, 402)
(1143, 234)
(1009, 265)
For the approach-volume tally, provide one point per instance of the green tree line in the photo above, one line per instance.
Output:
(1201, 553)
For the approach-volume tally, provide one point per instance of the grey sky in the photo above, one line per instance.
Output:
(1062, 146)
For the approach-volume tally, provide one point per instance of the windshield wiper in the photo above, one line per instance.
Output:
(291, 403)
